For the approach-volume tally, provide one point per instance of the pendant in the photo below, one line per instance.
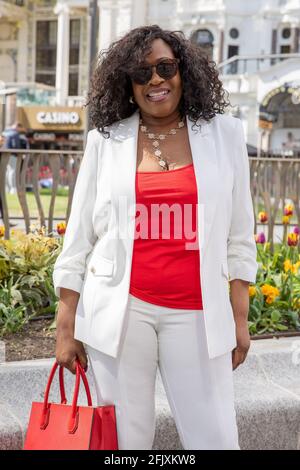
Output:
(162, 163)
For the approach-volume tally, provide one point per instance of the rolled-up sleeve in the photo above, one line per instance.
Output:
(241, 245)
(79, 238)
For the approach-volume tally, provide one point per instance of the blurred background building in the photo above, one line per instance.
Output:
(45, 53)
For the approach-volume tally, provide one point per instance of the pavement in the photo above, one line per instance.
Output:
(267, 398)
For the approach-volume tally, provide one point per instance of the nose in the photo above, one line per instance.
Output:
(156, 79)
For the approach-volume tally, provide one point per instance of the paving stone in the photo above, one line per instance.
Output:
(267, 398)
(2, 351)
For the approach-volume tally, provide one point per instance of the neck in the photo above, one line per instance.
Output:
(160, 122)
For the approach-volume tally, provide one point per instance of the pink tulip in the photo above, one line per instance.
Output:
(260, 238)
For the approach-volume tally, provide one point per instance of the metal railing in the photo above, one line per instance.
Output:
(63, 165)
(275, 180)
(240, 64)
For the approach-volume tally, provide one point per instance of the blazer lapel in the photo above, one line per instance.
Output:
(124, 140)
(207, 173)
(206, 166)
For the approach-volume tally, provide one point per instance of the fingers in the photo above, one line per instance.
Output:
(83, 361)
(70, 365)
(67, 361)
(71, 352)
(238, 357)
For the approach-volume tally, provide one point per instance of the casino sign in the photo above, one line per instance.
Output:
(54, 118)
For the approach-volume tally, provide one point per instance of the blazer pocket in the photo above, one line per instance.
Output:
(225, 269)
(100, 266)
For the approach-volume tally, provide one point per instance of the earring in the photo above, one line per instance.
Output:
(131, 100)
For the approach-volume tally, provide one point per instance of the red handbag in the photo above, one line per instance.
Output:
(54, 426)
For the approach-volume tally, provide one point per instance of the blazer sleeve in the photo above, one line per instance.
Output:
(79, 238)
(241, 245)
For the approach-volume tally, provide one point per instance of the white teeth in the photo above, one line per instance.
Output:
(158, 94)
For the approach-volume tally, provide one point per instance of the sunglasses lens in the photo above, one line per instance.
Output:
(141, 75)
(167, 70)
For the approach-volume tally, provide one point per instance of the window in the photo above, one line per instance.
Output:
(46, 39)
(232, 68)
(74, 32)
(46, 49)
(234, 33)
(73, 84)
(46, 78)
(46, 60)
(286, 33)
(52, 32)
(204, 39)
(285, 49)
(74, 57)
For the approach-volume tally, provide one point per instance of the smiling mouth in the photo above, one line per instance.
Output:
(158, 96)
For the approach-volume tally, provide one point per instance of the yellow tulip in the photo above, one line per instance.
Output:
(288, 209)
(270, 292)
(287, 265)
(263, 216)
(61, 228)
(296, 303)
(252, 291)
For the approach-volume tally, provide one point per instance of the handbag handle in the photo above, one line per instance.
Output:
(73, 422)
(63, 399)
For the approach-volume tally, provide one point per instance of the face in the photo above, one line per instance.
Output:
(160, 105)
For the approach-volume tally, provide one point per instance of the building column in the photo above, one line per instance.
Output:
(138, 13)
(22, 51)
(108, 22)
(62, 52)
(221, 46)
(295, 38)
(105, 26)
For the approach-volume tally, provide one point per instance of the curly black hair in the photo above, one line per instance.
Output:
(108, 97)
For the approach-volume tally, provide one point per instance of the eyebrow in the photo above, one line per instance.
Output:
(159, 59)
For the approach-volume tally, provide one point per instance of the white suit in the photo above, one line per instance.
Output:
(97, 251)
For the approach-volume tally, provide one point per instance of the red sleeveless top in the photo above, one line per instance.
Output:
(166, 259)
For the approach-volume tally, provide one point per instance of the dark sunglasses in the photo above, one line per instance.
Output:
(166, 69)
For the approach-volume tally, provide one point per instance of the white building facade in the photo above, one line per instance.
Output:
(256, 46)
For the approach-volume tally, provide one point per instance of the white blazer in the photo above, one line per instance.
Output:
(98, 244)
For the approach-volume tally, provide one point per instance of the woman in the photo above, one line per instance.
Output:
(137, 294)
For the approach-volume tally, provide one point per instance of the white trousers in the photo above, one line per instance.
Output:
(199, 390)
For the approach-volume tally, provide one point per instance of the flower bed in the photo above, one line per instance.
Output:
(26, 267)
(26, 288)
(275, 298)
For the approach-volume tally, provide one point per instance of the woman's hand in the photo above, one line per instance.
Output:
(68, 349)
(239, 297)
(240, 352)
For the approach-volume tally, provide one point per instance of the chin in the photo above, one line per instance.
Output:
(159, 111)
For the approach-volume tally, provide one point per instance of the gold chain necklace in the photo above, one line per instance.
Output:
(157, 138)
